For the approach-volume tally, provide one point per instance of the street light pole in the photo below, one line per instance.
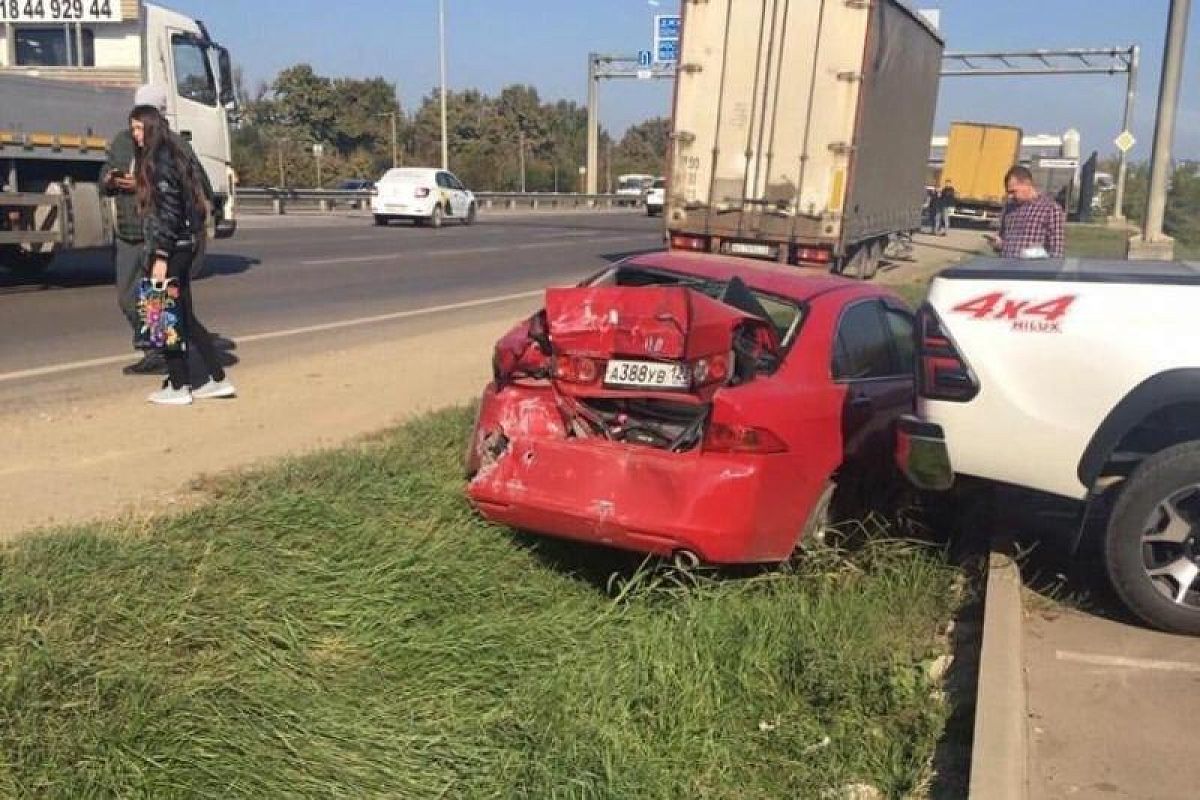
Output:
(442, 50)
(1152, 244)
(521, 142)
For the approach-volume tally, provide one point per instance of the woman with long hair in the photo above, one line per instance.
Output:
(171, 201)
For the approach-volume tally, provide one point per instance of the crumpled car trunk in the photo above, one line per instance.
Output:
(641, 364)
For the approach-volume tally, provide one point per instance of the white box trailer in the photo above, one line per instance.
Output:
(801, 128)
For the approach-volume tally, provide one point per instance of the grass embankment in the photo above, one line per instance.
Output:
(344, 626)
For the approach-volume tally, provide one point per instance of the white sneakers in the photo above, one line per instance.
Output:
(167, 396)
(184, 395)
(213, 389)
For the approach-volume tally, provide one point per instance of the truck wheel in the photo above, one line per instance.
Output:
(859, 265)
(1152, 545)
(874, 258)
(435, 219)
(24, 263)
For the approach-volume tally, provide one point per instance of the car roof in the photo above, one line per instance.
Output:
(412, 172)
(798, 283)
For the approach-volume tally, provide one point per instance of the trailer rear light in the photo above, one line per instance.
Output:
(575, 369)
(811, 255)
(943, 373)
(680, 241)
(421, 191)
(721, 438)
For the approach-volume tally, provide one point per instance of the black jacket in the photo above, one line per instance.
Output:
(121, 152)
(177, 219)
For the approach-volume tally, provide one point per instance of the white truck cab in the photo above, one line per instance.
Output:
(68, 74)
(1079, 379)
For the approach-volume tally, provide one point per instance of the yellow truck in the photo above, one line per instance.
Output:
(977, 157)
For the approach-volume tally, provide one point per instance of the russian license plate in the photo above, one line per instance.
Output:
(750, 249)
(647, 375)
(60, 10)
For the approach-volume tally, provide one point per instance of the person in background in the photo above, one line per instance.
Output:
(128, 263)
(945, 203)
(170, 199)
(1032, 225)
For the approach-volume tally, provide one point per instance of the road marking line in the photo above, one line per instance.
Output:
(462, 251)
(1097, 660)
(259, 337)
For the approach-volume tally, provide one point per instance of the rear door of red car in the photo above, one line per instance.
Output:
(872, 358)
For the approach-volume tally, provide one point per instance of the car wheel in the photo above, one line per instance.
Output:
(436, 218)
(380, 219)
(469, 219)
(1152, 545)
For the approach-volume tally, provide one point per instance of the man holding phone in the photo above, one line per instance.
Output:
(1032, 225)
(129, 256)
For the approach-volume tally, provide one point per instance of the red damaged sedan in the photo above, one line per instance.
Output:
(692, 405)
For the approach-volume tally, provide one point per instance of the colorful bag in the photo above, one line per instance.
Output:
(159, 315)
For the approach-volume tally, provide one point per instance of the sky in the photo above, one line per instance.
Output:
(492, 43)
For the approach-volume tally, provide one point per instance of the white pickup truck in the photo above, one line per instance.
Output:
(1079, 379)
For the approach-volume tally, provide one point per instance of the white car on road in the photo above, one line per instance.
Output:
(423, 194)
(656, 197)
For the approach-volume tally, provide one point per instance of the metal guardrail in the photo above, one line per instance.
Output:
(252, 199)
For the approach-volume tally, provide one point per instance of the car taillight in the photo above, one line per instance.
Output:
(811, 255)
(722, 438)
(421, 191)
(575, 369)
(714, 369)
(943, 373)
(681, 241)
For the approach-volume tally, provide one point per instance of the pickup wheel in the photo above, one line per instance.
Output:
(435, 219)
(1152, 545)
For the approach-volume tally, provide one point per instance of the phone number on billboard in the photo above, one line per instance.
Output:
(60, 10)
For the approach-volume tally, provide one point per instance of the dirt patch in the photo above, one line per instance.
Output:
(118, 455)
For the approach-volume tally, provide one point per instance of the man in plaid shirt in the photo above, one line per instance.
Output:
(1032, 223)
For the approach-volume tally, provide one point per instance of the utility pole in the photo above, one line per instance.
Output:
(442, 50)
(521, 141)
(593, 128)
(282, 174)
(318, 151)
(395, 138)
(1153, 244)
(1123, 157)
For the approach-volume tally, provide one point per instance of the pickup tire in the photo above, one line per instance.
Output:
(1152, 545)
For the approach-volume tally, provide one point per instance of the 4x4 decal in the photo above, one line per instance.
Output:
(1032, 316)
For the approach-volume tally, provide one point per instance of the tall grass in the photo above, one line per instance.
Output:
(344, 626)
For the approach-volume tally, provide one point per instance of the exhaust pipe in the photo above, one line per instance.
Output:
(685, 560)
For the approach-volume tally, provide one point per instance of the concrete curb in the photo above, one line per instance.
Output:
(1000, 752)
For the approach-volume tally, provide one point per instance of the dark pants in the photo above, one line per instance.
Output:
(129, 263)
(195, 335)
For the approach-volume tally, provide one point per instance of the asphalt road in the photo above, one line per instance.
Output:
(289, 274)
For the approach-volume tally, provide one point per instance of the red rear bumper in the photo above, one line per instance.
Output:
(727, 508)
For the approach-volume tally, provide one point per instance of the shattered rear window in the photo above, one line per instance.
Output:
(784, 314)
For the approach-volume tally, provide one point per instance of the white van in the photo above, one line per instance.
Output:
(422, 194)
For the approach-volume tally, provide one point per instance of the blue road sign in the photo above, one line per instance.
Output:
(667, 51)
(645, 58)
(666, 26)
